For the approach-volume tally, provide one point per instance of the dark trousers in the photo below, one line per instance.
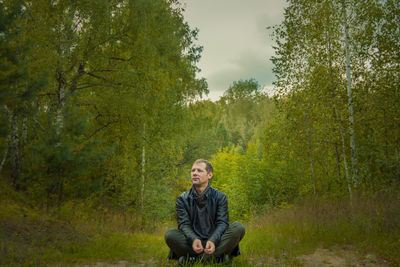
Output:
(178, 243)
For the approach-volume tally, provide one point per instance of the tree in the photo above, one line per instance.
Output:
(18, 86)
(241, 104)
(317, 44)
(114, 68)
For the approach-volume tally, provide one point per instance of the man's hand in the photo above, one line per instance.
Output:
(197, 246)
(210, 247)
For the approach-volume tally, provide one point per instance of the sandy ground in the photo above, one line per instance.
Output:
(320, 258)
(327, 257)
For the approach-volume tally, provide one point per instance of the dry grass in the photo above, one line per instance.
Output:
(369, 225)
(78, 233)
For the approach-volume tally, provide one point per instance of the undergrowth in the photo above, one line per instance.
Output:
(367, 225)
(75, 233)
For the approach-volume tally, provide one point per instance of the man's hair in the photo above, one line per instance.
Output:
(209, 166)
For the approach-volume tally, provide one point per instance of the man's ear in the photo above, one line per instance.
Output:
(210, 174)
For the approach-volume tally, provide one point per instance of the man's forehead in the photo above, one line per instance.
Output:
(200, 165)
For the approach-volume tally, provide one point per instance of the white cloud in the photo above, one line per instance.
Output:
(236, 43)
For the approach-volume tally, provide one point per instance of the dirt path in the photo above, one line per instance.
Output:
(320, 258)
(327, 257)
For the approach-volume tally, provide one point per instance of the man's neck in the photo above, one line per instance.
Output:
(200, 188)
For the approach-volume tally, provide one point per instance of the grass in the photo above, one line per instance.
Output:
(35, 238)
(75, 235)
(368, 226)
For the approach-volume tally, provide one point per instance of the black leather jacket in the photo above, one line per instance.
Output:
(217, 208)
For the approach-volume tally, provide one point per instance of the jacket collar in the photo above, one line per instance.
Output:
(195, 195)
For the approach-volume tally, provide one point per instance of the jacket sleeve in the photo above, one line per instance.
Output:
(222, 219)
(183, 219)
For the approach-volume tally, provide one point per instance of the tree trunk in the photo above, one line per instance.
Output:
(8, 138)
(15, 160)
(346, 167)
(350, 102)
(338, 119)
(143, 169)
(386, 138)
(337, 161)
(309, 141)
(24, 126)
(5, 153)
(61, 101)
(398, 162)
(60, 189)
(24, 134)
(312, 173)
(59, 124)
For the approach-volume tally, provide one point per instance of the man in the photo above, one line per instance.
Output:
(203, 222)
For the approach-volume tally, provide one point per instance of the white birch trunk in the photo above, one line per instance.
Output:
(61, 103)
(59, 124)
(5, 154)
(15, 161)
(350, 102)
(346, 167)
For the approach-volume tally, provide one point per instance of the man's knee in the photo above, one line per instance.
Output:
(238, 229)
(170, 235)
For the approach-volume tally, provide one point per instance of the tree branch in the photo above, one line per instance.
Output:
(101, 128)
(40, 125)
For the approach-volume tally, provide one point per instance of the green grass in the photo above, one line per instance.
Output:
(31, 237)
(370, 226)
(41, 240)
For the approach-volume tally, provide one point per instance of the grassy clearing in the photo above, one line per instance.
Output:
(74, 235)
(36, 238)
(369, 226)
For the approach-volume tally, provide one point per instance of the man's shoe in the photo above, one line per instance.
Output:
(183, 260)
(227, 258)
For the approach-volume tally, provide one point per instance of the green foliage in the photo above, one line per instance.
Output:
(252, 184)
(59, 168)
(313, 134)
(244, 112)
(119, 74)
(228, 179)
(242, 89)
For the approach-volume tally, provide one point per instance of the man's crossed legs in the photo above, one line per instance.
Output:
(177, 242)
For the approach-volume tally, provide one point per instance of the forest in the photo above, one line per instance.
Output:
(103, 113)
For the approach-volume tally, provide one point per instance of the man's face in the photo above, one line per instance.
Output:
(199, 174)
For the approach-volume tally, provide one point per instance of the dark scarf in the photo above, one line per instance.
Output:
(202, 224)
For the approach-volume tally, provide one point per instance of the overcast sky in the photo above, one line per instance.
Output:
(235, 40)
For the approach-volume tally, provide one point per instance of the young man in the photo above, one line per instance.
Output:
(203, 222)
